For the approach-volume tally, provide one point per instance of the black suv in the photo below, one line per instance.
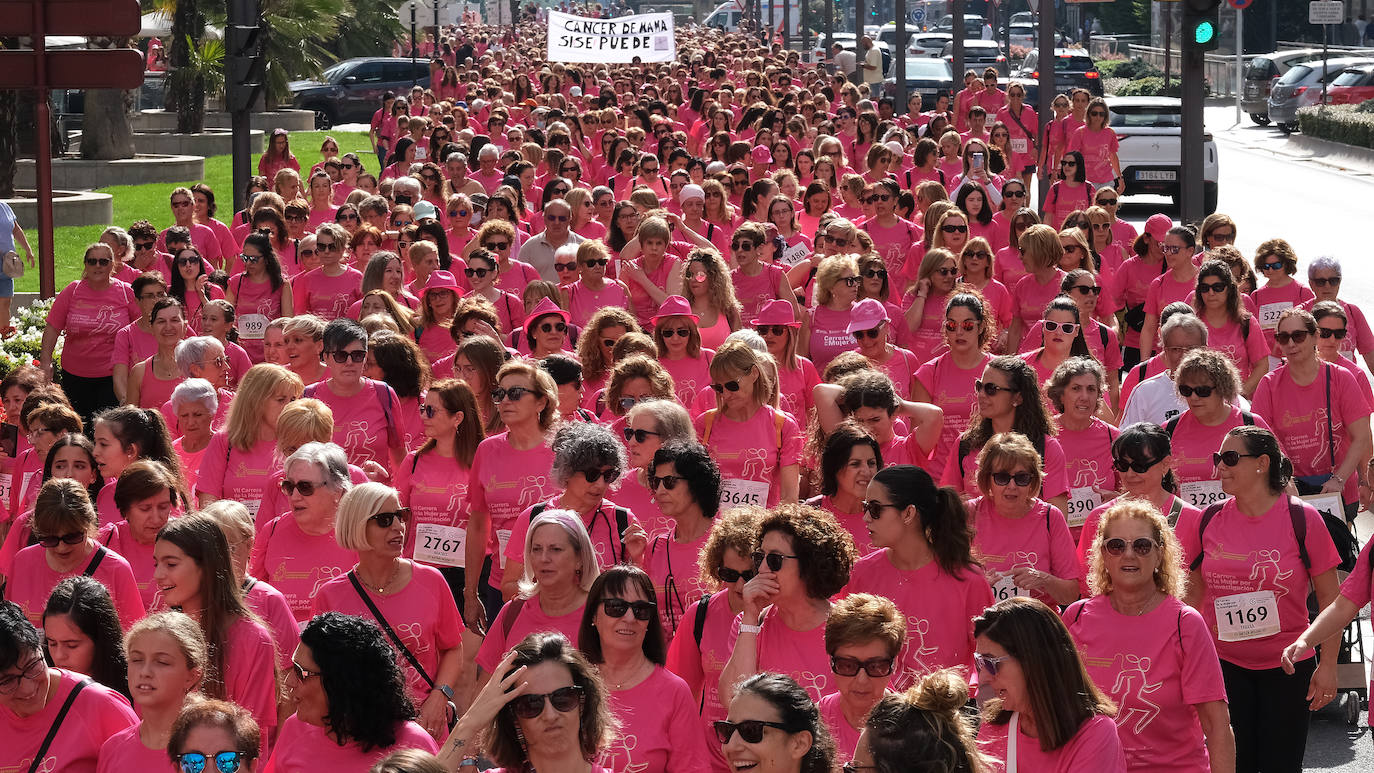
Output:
(351, 91)
(1073, 68)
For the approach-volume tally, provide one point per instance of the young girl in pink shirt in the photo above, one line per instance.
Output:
(924, 563)
(168, 658)
(1177, 283)
(328, 291)
(267, 602)
(259, 294)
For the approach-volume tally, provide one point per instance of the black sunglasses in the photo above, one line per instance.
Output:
(990, 389)
(774, 560)
(871, 333)
(549, 327)
(307, 488)
(1327, 332)
(564, 699)
(1297, 337)
(616, 608)
(1087, 289)
(480, 273)
(774, 330)
(1136, 466)
(677, 331)
(668, 482)
(357, 356)
(874, 667)
(1231, 458)
(1201, 391)
(593, 476)
(1021, 479)
(730, 576)
(751, 730)
(499, 394)
(75, 538)
(385, 520)
(638, 435)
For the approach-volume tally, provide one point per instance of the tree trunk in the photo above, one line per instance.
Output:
(106, 133)
(9, 131)
(188, 27)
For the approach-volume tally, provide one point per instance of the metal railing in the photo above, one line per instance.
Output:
(1218, 69)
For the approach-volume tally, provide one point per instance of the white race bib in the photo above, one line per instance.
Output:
(253, 506)
(1245, 616)
(735, 492)
(1269, 314)
(1326, 503)
(1082, 500)
(1006, 588)
(6, 480)
(252, 327)
(1202, 493)
(502, 540)
(1020, 145)
(440, 545)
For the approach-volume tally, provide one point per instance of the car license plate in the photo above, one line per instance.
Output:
(1156, 176)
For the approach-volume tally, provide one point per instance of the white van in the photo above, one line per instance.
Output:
(728, 15)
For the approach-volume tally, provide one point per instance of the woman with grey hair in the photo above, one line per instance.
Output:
(202, 357)
(560, 565)
(1076, 389)
(195, 405)
(1324, 277)
(297, 552)
(398, 594)
(122, 245)
(648, 427)
(587, 461)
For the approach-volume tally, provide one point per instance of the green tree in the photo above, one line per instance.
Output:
(368, 31)
(1131, 17)
(299, 36)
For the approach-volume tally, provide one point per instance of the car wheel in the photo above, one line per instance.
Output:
(324, 118)
(1261, 119)
(1209, 198)
(1287, 128)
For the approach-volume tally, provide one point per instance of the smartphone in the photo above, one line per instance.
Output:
(977, 161)
(9, 439)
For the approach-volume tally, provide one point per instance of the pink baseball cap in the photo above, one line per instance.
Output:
(776, 312)
(674, 306)
(1158, 225)
(441, 280)
(866, 315)
(761, 155)
(545, 307)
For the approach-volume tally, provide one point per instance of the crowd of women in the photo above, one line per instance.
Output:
(695, 416)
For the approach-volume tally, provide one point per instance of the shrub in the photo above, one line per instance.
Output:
(1350, 124)
(1149, 87)
(1131, 69)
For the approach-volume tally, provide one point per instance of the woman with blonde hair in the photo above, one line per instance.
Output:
(1041, 252)
(837, 290)
(240, 457)
(718, 209)
(925, 302)
(593, 290)
(380, 302)
(303, 347)
(1135, 622)
(594, 348)
(757, 446)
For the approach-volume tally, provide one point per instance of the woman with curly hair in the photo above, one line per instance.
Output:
(351, 703)
(803, 558)
(594, 348)
(707, 282)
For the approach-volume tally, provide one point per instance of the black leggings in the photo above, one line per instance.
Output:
(1269, 715)
(89, 396)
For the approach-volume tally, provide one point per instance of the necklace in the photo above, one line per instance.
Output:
(630, 678)
(395, 570)
(1144, 605)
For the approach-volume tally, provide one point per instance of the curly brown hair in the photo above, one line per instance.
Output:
(734, 529)
(824, 549)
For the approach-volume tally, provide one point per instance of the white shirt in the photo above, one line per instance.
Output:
(1156, 400)
(874, 59)
(845, 62)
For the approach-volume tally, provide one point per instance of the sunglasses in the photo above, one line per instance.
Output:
(638, 435)
(677, 331)
(729, 386)
(988, 665)
(1068, 163)
(428, 411)
(1087, 289)
(1231, 458)
(385, 520)
(225, 762)
(1070, 247)
(1107, 202)
(565, 266)
(249, 259)
(307, 253)
(75, 538)
(1322, 281)
(742, 246)
(1096, 114)
(325, 246)
(875, 273)
(879, 197)
(499, 394)
(480, 273)
(1271, 266)
(1201, 391)
(1297, 337)
(946, 271)
(357, 356)
(297, 218)
(770, 330)
(616, 608)
(731, 576)
(954, 229)
(835, 240)
(774, 560)
(990, 389)
(1332, 332)
(593, 476)
(1068, 328)
(457, 213)
(307, 488)
(1137, 467)
(347, 216)
(496, 246)
(669, 482)
(1013, 194)
(1211, 287)
(850, 281)
(871, 333)
(750, 730)
(967, 325)
(564, 699)
(557, 218)
(874, 667)
(100, 261)
(1117, 546)
(549, 327)
(1021, 479)
(596, 262)
(141, 246)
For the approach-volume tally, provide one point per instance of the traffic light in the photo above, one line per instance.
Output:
(1201, 24)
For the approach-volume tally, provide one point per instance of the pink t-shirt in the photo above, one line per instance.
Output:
(296, 563)
(1302, 417)
(1359, 338)
(749, 450)
(1245, 349)
(1097, 146)
(304, 747)
(121, 540)
(798, 654)
(125, 751)
(891, 242)
(1273, 301)
(230, 473)
(32, 582)
(1156, 667)
(939, 609)
(97, 714)
(327, 296)
(583, 302)
(643, 305)
(1008, 267)
(252, 302)
(929, 335)
(1031, 299)
(132, 345)
(845, 735)
(951, 388)
(1037, 540)
(963, 474)
(249, 676)
(503, 483)
(1095, 748)
(423, 613)
(1088, 463)
(691, 375)
(830, 335)
(1360, 583)
(1186, 513)
(795, 385)
(269, 604)
(753, 291)
(854, 522)
(367, 423)
(1064, 198)
(1241, 554)
(659, 728)
(672, 566)
(1130, 285)
(1165, 289)
(90, 319)
(434, 488)
(530, 618)
(1194, 443)
(601, 527)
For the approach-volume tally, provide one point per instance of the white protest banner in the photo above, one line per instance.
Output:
(648, 37)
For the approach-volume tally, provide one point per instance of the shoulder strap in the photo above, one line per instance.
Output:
(1078, 613)
(699, 619)
(1330, 430)
(1245, 328)
(779, 421)
(1141, 370)
(95, 561)
(515, 605)
(386, 627)
(1102, 331)
(1175, 510)
(707, 420)
(384, 397)
(1246, 418)
(1299, 519)
(310, 391)
(622, 525)
(1017, 119)
(57, 724)
(1173, 425)
(1207, 516)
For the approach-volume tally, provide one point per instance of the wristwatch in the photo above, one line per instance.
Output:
(445, 689)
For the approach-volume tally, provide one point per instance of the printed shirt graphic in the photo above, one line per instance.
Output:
(799, 654)
(1299, 416)
(296, 563)
(504, 482)
(659, 728)
(1037, 540)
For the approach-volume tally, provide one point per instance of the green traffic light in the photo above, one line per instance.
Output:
(1204, 32)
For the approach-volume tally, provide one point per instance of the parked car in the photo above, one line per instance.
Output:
(1149, 130)
(887, 34)
(1073, 68)
(1260, 75)
(1023, 17)
(351, 91)
(978, 55)
(928, 77)
(1353, 86)
(1023, 35)
(1302, 86)
(929, 43)
(973, 25)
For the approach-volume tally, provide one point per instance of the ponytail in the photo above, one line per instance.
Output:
(943, 518)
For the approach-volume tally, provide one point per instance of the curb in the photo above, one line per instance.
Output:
(1336, 154)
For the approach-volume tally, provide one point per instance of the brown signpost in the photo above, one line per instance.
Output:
(40, 70)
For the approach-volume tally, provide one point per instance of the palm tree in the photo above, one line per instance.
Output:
(105, 130)
(299, 33)
(187, 92)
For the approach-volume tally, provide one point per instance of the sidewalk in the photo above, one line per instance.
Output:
(1296, 146)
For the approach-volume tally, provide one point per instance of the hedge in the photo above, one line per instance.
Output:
(1349, 124)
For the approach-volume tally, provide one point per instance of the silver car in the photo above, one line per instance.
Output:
(1301, 86)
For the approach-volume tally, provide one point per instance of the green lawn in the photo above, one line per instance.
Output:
(149, 202)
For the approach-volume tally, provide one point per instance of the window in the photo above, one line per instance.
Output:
(1146, 116)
